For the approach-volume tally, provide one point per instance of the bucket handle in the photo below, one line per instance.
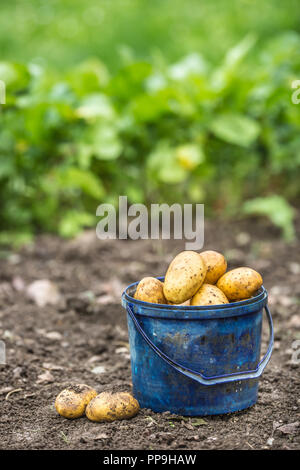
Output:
(197, 376)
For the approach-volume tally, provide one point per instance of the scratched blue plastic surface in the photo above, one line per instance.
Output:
(212, 340)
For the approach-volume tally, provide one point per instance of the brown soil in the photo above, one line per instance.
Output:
(83, 339)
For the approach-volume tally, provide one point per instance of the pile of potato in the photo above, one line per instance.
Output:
(191, 279)
(79, 399)
(200, 279)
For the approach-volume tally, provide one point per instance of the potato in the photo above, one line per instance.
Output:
(209, 294)
(240, 283)
(71, 402)
(112, 406)
(184, 304)
(150, 289)
(184, 277)
(216, 265)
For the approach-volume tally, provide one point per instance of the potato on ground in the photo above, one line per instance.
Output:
(112, 406)
(71, 402)
(150, 289)
(184, 277)
(240, 283)
(216, 265)
(209, 294)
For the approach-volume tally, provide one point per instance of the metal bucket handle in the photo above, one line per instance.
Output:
(220, 379)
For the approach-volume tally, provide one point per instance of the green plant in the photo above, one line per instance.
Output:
(156, 132)
(277, 210)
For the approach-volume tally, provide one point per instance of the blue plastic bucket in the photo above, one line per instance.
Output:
(196, 360)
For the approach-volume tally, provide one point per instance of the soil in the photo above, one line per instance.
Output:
(82, 338)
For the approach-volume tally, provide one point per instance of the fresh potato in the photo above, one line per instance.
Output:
(184, 277)
(216, 265)
(209, 294)
(72, 402)
(184, 304)
(150, 289)
(112, 406)
(240, 283)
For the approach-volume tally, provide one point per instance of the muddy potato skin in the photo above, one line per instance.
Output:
(209, 294)
(150, 289)
(184, 277)
(240, 283)
(112, 406)
(216, 266)
(71, 402)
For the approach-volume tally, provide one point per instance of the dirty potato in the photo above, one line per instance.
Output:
(240, 283)
(209, 294)
(184, 277)
(150, 289)
(112, 406)
(71, 402)
(216, 265)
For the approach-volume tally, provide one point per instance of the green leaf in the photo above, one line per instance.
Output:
(228, 71)
(130, 80)
(189, 155)
(96, 105)
(88, 77)
(277, 209)
(135, 194)
(196, 192)
(85, 180)
(146, 107)
(164, 166)
(73, 222)
(235, 129)
(15, 76)
(105, 142)
(17, 239)
(236, 54)
(192, 64)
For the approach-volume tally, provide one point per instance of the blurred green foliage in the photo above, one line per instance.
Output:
(65, 32)
(217, 128)
(277, 209)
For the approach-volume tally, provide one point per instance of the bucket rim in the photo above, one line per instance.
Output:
(235, 308)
